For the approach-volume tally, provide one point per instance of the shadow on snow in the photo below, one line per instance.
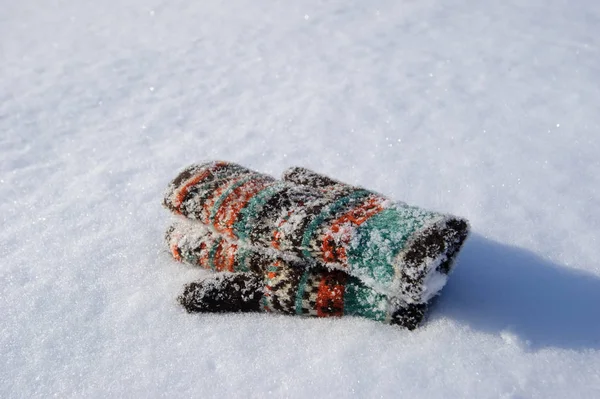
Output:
(497, 288)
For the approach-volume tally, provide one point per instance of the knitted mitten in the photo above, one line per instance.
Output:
(416, 247)
(396, 249)
(258, 282)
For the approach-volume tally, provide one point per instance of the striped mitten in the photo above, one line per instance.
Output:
(398, 250)
(254, 281)
(396, 247)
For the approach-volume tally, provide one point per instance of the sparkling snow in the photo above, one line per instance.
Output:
(488, 111)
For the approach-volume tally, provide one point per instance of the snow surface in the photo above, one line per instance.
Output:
(488, 110)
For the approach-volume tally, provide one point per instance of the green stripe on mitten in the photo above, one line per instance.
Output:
(399, 248)
(255, 281)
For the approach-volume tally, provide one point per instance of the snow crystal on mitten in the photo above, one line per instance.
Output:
(263, 283)
(197, 245)
(409, 247)
(224, 292)
(396, 249)
(321, 292)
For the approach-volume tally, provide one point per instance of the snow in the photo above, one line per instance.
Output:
(487, 111)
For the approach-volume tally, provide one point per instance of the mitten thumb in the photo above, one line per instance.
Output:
(224, 292)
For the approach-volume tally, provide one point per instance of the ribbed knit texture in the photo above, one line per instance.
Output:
(320, 241)
(278, 286)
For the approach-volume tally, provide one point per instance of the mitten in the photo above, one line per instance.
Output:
(258, 282)
(398, 250)
(421, 262)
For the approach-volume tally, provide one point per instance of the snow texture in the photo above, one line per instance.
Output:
(488, 110)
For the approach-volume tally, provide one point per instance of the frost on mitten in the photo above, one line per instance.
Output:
(258, 282)
(224, 292)
(410, 248)
(399, 250)
(197, 245)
